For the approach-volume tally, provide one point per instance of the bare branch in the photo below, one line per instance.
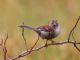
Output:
(24, 36)
(73, 36)
(24, 53)
(27, 52)
(5, 50)
(34, 44)
(3, 46)
(72, 32)
(76, 47)
(73, 28)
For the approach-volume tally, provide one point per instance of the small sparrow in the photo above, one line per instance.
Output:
(47, 32)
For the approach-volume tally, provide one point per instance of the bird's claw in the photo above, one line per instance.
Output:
(52, 42)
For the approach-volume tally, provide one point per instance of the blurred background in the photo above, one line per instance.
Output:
(36, 13)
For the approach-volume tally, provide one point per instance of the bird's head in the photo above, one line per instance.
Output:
(53, 24)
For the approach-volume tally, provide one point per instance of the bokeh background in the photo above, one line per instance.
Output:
(37, 13)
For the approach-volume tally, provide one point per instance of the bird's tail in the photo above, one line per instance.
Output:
(28, 27)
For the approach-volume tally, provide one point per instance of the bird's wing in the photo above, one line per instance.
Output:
(45, 28)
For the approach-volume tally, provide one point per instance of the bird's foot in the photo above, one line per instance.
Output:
(52, 42)
(46, 45)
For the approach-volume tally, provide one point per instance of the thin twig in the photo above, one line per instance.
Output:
(4, 48)
(34, 44)
(72, 32)
(73, 29)
(75, 45)
(73, 36)
(24, 36)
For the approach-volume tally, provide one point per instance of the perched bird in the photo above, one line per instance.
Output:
(47, 32)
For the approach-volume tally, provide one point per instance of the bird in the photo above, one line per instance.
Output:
(48, 32)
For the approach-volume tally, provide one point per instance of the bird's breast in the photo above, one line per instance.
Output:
(50, 35)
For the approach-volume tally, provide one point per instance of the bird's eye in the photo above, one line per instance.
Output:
(54, 25)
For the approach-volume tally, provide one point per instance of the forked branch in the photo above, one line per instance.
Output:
(27, 52)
